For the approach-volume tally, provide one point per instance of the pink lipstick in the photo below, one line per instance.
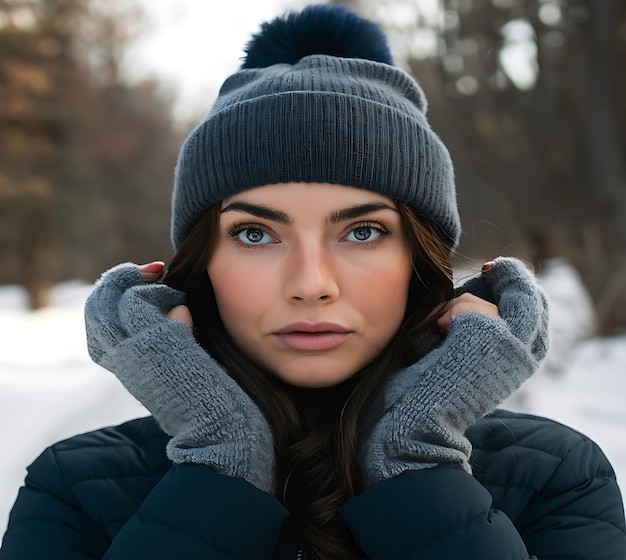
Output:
(312, 337)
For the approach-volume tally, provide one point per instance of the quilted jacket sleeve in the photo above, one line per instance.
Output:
(432, 514)
(195, 513)
(47, 522)
(579, 512)
(554, 483)
(191, 512)
(539, 490)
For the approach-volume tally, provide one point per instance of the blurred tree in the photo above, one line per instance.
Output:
(86, 159)
(530, 98)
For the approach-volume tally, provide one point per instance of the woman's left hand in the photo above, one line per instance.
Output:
(466, 303)
(489, 349)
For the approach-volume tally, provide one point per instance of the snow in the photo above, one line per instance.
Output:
(50, 390)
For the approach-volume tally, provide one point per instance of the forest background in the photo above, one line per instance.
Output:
(528, 95)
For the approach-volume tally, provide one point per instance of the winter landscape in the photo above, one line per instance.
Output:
(50, 390)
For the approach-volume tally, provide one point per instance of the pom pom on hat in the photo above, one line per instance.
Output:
(318, 29)
(317, 100)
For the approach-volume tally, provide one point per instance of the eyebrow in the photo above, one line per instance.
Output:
(259, 212)
(353, 212)
(338, 216)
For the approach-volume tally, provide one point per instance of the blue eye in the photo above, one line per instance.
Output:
(252, 236)
(363, 234)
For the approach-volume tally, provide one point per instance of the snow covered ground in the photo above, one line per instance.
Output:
(50, 390)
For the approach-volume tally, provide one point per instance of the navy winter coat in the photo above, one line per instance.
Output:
(539, 489)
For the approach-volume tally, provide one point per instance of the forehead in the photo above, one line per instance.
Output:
(313, 196)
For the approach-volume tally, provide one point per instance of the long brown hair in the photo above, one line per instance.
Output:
(316, 431)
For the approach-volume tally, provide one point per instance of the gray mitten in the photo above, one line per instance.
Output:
(212, 420)
(426, 408)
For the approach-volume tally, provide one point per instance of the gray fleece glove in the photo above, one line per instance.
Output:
(212, 420)
(420, 419)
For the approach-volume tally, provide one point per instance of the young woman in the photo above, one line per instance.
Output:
(317, 386)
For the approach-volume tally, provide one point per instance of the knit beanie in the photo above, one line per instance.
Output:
(317, 100)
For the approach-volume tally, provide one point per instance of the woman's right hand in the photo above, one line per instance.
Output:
(156, 357)
(150, 273)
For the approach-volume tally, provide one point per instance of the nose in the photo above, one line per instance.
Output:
(311, 276)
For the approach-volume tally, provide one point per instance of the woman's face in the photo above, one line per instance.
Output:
(311, 280)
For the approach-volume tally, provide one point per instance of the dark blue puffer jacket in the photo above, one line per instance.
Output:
(539, 490)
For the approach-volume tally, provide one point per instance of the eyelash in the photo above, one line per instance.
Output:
(234, 230)
(383, 229)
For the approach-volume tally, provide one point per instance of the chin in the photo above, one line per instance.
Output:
(313, 383)
(313, 379)
(313, 371)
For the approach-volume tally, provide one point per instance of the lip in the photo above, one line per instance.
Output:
(312, 337)
(307, 327)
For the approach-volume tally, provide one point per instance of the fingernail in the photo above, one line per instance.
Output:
(486, 267)
(156, 266)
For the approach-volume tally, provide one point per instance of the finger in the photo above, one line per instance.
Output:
(520, 299)
(181, 313)
(101, 307)
(151, 272)
(466, 303)
(143, 307)
(444, 321)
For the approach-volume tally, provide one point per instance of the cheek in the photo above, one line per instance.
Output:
(238, 294)
(387, 291)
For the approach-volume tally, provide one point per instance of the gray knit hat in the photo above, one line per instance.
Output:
(317, 118)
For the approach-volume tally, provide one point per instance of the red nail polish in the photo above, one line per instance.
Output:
(156, 266)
